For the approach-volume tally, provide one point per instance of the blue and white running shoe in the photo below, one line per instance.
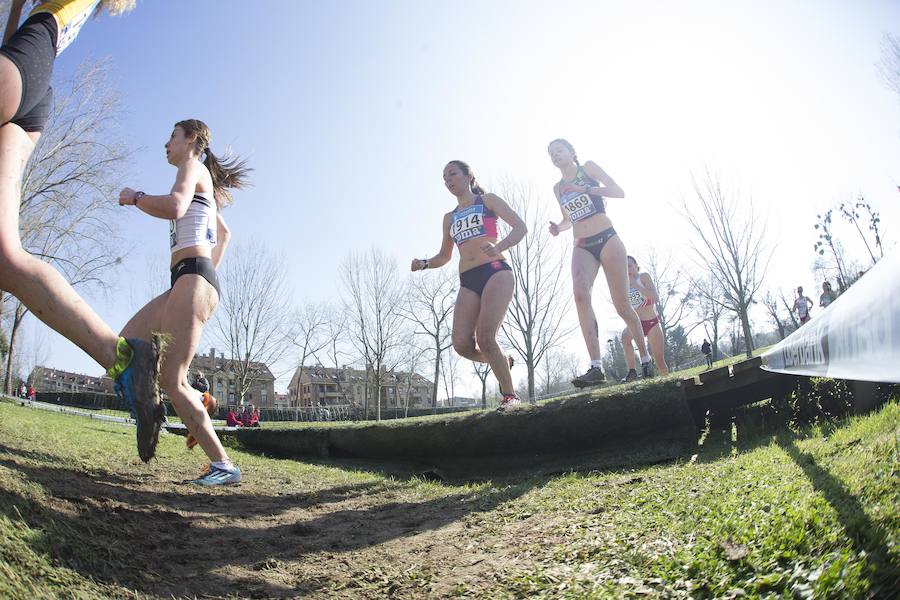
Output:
(219, 476)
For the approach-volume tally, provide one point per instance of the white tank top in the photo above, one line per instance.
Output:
(198, 225)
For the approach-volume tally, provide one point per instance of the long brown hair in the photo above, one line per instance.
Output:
(227, 172)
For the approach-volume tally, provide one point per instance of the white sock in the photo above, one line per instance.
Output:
(226, 465)
(596, 363)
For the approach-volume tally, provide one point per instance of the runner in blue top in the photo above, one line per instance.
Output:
(580, 195)
(485, 279)
(27, 57)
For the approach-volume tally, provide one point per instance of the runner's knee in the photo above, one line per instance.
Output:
(464, 346)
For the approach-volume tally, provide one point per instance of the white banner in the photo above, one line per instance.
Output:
(856, 337)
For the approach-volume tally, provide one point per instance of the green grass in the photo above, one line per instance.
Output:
(719, 363)
(754, 514)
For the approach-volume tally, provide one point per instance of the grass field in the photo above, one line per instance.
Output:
(754, 514)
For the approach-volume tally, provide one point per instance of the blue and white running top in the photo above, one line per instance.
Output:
(70, 15)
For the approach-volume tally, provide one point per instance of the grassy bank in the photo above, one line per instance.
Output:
(754, 514)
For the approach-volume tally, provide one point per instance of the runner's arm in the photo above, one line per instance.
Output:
(645, 286)
(445, 253)
(609, 189)
(223, 236)
(174, 204)
(565, 223)
(510, 217)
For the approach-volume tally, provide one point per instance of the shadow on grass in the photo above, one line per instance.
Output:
(884, 577)
(185, 544)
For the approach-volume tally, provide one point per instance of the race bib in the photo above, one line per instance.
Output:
(635, 298)
(467, 223)
(578, 205)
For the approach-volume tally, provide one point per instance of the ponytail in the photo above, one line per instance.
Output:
(467, 171)
(228, 172)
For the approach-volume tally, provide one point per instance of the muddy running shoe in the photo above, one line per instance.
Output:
(631, 376)
(137, 369)
(509, 401)
(218, 476)
(594, 376)
(647, 370)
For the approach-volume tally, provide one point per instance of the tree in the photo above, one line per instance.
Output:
(536, 322)
(853, 212)
(771, 304)
(482, 370)
(709, 308)
(449, 370)
(429, 307)
(252, 319)
(65, 214)
(372, 294)
(730, 246)
(614, 359)
(311, 328)
(889, 65)
(674, 302)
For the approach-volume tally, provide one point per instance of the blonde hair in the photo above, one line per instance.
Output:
(117, 7)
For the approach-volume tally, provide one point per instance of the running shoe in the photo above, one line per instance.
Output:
(594, 376)
(509, 401)
(631, 376)
(136, 386)
(647, 369)
(218, 476)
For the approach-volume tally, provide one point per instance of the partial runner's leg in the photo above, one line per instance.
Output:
(658, 349)
(495, 299)
(465, 317)
(190, 304)
(584, 272)
(628, 348)
(38, 285)
(615, 267)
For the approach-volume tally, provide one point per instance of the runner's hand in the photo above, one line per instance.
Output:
(417, 265)
(554, 229)
(126, 196)
(490, 250)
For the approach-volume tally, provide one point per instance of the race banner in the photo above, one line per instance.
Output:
(856, 337)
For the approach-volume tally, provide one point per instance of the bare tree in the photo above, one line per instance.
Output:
(311, 328)
(429, 306)
(789, 307)
(335, 351)
(449, 369)
(889, 65)
(730, 246)
(253, 318)
(412, 358)
(482, 371)
(372, 295)
(536, 322)
(77, 167)
(770, 302)
(708, 305)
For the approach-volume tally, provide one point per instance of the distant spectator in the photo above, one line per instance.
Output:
(231, 419)
(828, 295)
(706, 349)
(200, 383)
(802, 305)
(254, 419)
(245, 416)
(23, 391)
(31, 394)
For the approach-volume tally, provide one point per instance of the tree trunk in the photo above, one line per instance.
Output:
(18, 316)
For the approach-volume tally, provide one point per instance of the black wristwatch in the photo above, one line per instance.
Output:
(138, 196)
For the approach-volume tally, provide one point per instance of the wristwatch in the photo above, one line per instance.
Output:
(138, 196)
(424, 263)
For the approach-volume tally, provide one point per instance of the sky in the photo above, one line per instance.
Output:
(348, 112)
